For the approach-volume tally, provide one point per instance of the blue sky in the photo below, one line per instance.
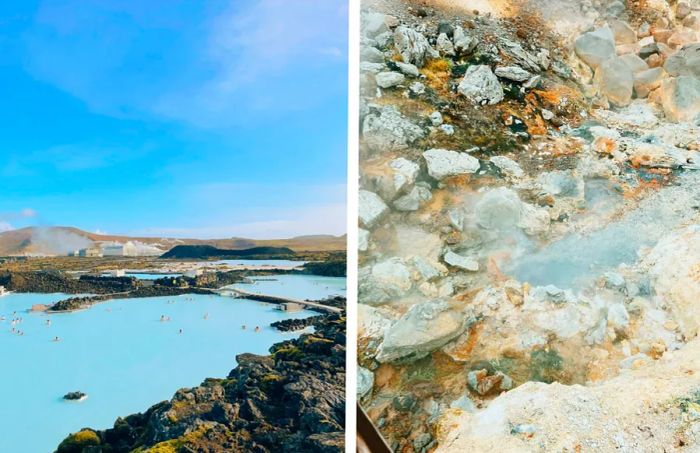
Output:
(174, 117)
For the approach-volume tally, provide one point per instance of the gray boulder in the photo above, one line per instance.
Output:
(624, 34)
(413, 46)
(443, 163)
(405, 173)
(365, 381)
(436, 118)
(413, 199)
(685, 62)
(615, 81)
(386, 129)
(444, 45)
(498, 209)
(371, 208)
(363, 240)
(424, 328)
(514, 73)
(464, 43)
(408, 69)
(507, 166)
(461, 262)
(388, 79)
(371, 54)
(481, 86)
(374, 24)
(596, 46)
(384, 281)
(647, 81)
(680, 97)
(634, 62)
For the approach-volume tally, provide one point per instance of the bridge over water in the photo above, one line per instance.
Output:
(235, 292)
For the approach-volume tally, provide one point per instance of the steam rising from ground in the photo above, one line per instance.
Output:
(52, 241)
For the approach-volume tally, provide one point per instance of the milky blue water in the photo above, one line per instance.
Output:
(310, 287)
(121, 355)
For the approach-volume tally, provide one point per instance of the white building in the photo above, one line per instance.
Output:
(113, 250)
(89, 252)
(130, 248)
(117, 273)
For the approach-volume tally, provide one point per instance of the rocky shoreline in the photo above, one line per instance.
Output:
(289, 401)
(290, 325)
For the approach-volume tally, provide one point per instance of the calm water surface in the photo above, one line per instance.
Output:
(122, 356)
(300, 287)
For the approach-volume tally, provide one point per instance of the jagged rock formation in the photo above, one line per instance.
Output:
(208, 251)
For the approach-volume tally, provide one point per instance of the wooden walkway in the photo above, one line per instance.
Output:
(234, 292)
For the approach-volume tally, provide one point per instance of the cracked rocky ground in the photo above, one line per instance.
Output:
(530, 228)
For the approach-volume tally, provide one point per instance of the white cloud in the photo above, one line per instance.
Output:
(272, 56)
(5, 226)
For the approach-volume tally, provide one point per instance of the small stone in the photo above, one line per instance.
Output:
(685, 62)
(422, 441)
(463, 403)
(680, 98)
(365, 381)
(507, 166)
(386, 129)
(443, 163)
(417, 88)
(424, 328)
(371, 55)
(413, 46)
(373, 24)
(596, 47)
(463, 43)
(444, 45)
(634, 62)
(436, 118)
(615, 81)
(483, 384)
(412, 200)
(648, 50)
(498, 209)
(447, 129)
(408, 69)
(624, 34)
(372, 208)
(405, 173)
(363, 240)
(389, 79)
(647, 81)
(481, 86)
(514, 292)
(461, 262)
(514, 73)
(547, 115)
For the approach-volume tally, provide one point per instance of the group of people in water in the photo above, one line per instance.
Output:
(16, 320)
(163, 318)
(257, 328)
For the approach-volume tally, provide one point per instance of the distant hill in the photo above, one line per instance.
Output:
(61, 240)
(207, 251)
